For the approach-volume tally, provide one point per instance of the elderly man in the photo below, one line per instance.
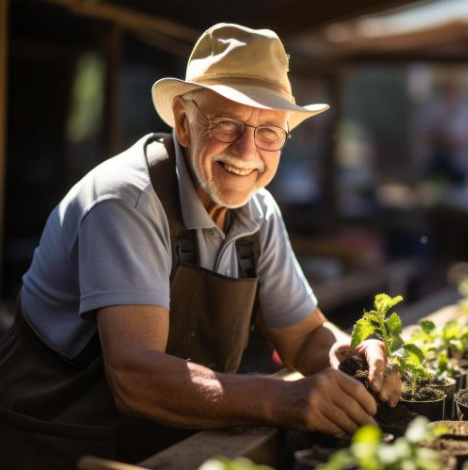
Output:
(152, 270)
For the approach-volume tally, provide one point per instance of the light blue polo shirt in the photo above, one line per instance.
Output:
(108, 243)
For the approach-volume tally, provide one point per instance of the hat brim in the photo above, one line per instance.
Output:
(165, 90)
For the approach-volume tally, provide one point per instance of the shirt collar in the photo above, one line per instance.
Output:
(194, 214)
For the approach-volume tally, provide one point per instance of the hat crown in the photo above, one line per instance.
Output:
(233, 52)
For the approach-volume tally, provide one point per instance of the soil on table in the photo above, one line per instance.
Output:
(451, 446)
(387, 417)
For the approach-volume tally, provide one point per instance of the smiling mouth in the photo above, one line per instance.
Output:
(236, 171)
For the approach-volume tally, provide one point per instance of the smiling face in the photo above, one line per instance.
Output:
(229, 173)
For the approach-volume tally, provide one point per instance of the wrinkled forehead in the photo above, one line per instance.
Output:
(216, 105)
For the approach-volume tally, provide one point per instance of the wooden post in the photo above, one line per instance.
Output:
(112, 115)
(3, 112)
(329, 183)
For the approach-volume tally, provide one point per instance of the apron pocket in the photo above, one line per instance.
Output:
(27, 442)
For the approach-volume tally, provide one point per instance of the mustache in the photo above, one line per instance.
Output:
(238, 163)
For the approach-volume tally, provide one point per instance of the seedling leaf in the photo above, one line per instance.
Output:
(394, 324)
(415, 355)
(427, 326)
(384, 302)
(367, 433)
(396, 343)
(361, 331)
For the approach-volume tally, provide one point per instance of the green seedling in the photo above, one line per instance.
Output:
(406, 356)
(388, 327)
(435, 343)
(368, 452)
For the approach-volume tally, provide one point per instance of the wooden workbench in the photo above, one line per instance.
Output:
(264, 444)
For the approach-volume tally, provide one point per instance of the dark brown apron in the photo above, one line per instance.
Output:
(53, 410)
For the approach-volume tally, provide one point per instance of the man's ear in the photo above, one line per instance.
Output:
(182, 127)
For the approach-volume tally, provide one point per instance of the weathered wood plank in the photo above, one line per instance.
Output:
(96, 463)
(260, 444)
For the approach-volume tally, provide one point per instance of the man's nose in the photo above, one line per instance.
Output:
(245, 147)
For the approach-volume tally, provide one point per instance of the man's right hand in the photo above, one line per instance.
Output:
(332, 402)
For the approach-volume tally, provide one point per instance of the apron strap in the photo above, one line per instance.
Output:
(160, 154)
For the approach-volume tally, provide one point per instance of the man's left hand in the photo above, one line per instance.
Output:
(385, 383)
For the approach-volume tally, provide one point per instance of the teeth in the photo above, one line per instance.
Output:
(236, 171)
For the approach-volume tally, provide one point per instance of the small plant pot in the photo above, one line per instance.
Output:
(308, 459)
(449, 389)
(305, 445)
(454, 442)
(461, 404)
(432, 409)
(463, 365)
(460, 380)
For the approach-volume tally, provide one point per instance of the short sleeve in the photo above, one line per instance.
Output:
(285, 294)
(124, 257)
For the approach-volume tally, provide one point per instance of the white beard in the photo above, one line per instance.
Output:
(209, 186)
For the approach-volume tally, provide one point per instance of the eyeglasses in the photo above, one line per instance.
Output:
(228, 130)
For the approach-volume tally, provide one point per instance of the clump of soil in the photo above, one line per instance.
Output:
(433, 381)
(387, 417)
(356, 367)
(422, 394)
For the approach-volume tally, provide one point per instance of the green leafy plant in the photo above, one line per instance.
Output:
(406, 356)
(437, 342)
(463, 290)
(375, 322)
(368, 452)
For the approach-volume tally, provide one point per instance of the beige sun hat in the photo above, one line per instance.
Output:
(248, 66)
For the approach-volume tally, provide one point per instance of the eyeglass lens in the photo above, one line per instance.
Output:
(227, 130)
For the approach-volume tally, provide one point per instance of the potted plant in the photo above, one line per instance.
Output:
(440, 373)
(435, 344)
(407, 357)
(368, 452)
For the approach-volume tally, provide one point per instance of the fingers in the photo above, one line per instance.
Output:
(352, 409)
(374, 352)
(328, 425)
(341, 419)
(334, 402)
(356, 390)
(340, 352)
(386, 385)
(391, 389)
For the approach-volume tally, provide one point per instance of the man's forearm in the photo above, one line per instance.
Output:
(184, 394)
(314, 353)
